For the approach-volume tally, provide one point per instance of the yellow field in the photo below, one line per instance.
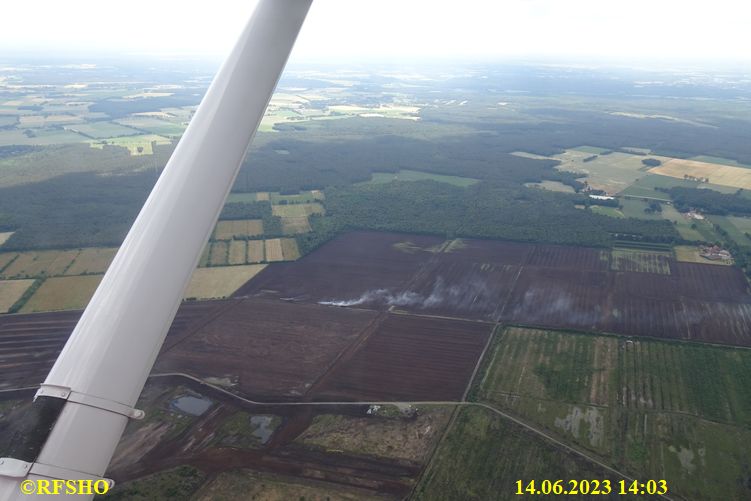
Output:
(5, 236)
(63, 293)
(256, 252)
(737, 177)
(289, 249)
(237, 252)
(294, 225)
(37, 263)
(226, 230)
(92, 260)
(219, 282)
(274, 250)
(262, 196)
(690, 254)
(297, 210)
(219, 254)
(11, 291)
(7, 257)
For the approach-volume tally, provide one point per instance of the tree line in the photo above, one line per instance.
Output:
(486, 210)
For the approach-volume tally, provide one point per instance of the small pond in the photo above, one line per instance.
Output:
(195, 406)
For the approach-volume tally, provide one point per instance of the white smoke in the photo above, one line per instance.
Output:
(463, 295)
(407, 298)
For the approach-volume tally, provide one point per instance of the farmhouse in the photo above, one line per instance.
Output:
(715, 253)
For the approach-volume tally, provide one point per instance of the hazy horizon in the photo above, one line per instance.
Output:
(634, 33)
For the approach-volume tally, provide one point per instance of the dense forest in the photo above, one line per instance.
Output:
(119, 108)
(86, 210)
(485, 210)
(314, 164)
(75, 210)
(709, 201)
(474, 141)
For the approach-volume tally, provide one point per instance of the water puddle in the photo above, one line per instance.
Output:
(263, 427)
(195, 406)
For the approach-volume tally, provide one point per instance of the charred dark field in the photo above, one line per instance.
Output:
(276, 351)
(268, 350)
(29, 344)
(536, 285)
(408, 356)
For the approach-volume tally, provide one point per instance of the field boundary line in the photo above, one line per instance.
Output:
(395, 311)
(632, 337)
(349, 350)
(231, 303)
(491, 336)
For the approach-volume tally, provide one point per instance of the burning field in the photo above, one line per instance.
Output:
(297, 323)
(536, 285)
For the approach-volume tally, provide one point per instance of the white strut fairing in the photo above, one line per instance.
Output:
(105, 363)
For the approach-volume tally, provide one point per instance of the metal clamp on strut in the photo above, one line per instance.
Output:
(49, 390)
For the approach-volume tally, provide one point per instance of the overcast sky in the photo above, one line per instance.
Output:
(383, 29)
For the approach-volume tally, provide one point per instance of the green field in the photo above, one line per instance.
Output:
(551, 186)
(613, 172)
(646, 186)
(689, 229)
(303, 197)
(101, 130)
(636, 208)
(40, 137)
(736, 228)
(483, 455)
(607, 211)
(655, 409)
(242, 198)
(682, 224)
(413, 175)
(137, 144)
(153, 125)
(707, 231)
